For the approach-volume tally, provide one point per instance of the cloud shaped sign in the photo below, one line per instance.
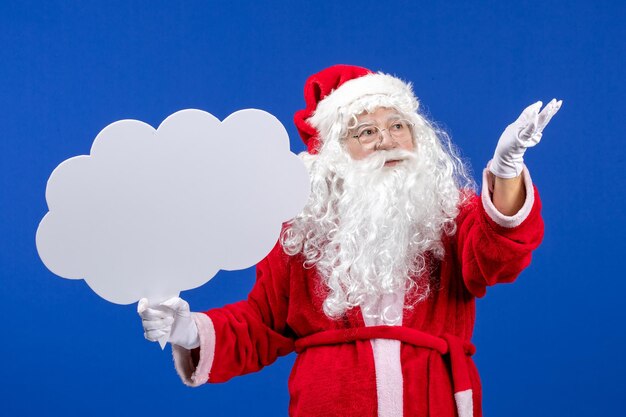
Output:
(150, 213)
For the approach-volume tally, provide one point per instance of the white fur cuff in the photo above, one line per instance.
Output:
(191, 374)
(464, 403)
(492, 211)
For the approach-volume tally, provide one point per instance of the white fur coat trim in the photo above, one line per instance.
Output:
(464, 403)
(387, 365)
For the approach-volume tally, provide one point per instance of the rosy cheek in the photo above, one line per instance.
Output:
(356, 152)
(364, 153)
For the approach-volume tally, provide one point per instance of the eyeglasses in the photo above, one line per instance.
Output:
(370, 136)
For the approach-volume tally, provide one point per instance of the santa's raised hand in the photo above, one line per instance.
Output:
(525, 132)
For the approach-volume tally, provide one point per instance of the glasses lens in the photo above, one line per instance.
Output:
(399, 129)
(368, 135)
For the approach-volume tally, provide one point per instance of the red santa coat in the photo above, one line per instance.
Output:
(351, 367)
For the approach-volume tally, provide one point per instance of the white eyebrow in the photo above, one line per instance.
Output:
(392, 116)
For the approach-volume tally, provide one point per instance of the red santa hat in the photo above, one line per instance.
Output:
(336, 94)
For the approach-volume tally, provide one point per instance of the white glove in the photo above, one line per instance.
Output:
(171, 319)
(525, 132)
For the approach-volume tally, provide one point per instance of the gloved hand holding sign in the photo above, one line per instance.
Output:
(171, 319)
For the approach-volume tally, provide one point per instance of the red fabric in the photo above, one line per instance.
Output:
(316, 88)
(339, 380)
(453, 346)
(401, 333)
(461, 379)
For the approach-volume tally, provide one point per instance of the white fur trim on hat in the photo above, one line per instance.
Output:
(353, 97)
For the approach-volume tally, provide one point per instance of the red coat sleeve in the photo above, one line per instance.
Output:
(493, 248)
(253, 333)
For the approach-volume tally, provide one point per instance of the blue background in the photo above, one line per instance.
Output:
(551, 344)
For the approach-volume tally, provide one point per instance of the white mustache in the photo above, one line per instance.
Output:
(377, 159)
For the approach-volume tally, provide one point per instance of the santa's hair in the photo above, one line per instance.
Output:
(327, 240)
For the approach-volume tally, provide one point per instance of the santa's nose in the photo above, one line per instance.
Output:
(386, 141)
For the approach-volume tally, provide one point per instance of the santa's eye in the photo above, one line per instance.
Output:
(397, 126)
(367, 133)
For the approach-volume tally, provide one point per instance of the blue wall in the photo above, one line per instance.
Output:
(551, 344)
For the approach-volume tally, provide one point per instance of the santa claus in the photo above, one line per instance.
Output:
(374, 283)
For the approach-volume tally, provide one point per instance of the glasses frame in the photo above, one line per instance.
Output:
(377, 143)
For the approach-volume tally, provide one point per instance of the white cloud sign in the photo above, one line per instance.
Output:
(150, 213)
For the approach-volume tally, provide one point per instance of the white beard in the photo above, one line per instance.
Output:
(370, 228)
